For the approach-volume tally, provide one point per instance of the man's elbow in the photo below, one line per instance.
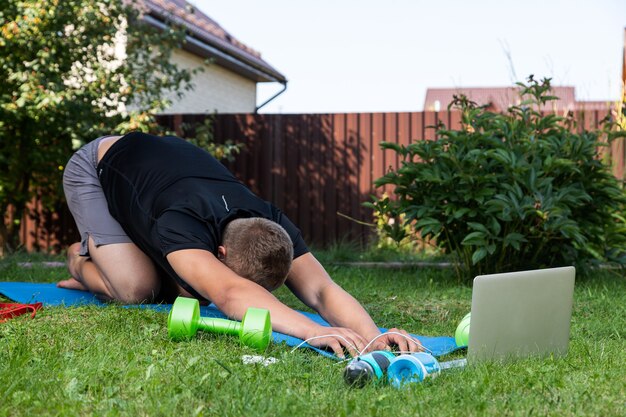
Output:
(324, 296)
(232, 300)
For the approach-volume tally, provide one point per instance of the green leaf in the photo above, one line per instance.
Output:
(478, 255)
(479, 227)
(474, 238)
(457, 214)
(494, 226)
(514, 239)
(429, 221)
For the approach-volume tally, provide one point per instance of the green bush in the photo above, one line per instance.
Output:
(202, 135)
(511, 191)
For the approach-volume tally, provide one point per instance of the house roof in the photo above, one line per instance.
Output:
(501, 98)
(208, 39)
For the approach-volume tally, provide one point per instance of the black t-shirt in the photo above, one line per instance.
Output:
(170, 195)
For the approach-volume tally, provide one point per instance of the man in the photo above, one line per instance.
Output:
(208, 237)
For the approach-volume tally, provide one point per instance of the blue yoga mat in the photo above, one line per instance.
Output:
(51, 295)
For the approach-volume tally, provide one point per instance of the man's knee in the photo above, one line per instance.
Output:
(128, 273)
(142, 288)
(138, 296)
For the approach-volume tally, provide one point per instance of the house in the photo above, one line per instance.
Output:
(228, 83)
(499, 99)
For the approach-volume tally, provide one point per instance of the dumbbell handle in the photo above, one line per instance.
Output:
(222, 326)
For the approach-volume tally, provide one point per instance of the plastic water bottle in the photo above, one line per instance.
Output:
(369, 367)
(416, 367)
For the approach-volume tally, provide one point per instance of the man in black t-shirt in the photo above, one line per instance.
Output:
(169, 195)
(211, 238)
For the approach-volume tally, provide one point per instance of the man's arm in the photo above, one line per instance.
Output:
(310, 282)
(233, 295)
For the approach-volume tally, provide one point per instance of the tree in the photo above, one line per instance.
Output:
(72, 70)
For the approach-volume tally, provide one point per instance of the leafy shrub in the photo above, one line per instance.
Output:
(390, 227)
(202, 135)
(511, 191)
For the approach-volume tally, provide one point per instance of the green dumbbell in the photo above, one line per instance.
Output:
(255, 330)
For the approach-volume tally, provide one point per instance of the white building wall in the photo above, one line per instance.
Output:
(216, 89)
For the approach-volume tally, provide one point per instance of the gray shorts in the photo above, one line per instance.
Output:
(86, 201)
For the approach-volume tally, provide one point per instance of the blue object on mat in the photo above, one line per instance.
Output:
(51, 295)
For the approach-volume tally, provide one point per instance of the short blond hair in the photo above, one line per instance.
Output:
(258, 249)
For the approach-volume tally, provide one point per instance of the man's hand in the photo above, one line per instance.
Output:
(339, 339)
(398, 338)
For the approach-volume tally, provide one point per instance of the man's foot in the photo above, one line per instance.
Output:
(74, 259)
(71, 284)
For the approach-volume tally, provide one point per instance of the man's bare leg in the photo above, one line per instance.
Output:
(119, 271)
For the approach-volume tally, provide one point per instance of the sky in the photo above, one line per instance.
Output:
(382, 56)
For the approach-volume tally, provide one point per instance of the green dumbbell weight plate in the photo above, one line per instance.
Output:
(462, 333)
(256, 328)
(183, 319)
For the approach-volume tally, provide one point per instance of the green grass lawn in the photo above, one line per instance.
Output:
(116, 361)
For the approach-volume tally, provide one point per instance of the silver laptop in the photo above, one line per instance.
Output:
(521, 314)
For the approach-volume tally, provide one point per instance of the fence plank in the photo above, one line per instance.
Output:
(354, 162)
(366, 173)
(340, 157)
(303, 177)
(430, 120)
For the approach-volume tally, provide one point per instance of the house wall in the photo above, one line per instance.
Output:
(216, 89)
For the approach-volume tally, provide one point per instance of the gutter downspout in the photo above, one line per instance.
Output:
(284, 83)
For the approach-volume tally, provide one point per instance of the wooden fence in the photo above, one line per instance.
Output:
(318, 168)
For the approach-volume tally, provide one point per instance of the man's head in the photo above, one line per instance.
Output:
(257, 249)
